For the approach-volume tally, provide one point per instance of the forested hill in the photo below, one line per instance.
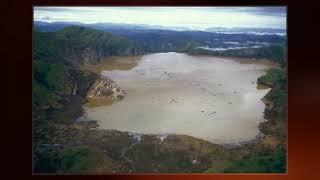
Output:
(76, 45)
(276, 53)
(154, 40)
(57, 57)
(161, 40)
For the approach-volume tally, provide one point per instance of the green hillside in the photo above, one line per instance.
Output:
(77, 45)
(275, 53)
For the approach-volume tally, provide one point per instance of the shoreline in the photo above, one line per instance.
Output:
(256, 139)
(231, 143)
(91, 128)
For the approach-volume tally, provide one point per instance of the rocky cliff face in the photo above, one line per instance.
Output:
(105, 88)
(92, 56)
(82, 81)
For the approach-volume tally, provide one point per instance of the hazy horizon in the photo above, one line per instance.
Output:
(197, 18)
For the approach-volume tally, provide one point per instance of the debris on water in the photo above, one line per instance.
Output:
(173, 100)
(202, 111)
(136, 137)
(195, 161)
(162, 137)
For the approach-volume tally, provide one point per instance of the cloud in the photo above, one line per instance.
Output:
(191, 17)
(46, 18)
(272, 11)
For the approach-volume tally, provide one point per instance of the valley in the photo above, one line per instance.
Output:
(183, 111)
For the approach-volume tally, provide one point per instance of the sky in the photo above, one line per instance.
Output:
(188, 17)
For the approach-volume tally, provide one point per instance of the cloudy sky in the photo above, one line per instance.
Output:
(190, 17)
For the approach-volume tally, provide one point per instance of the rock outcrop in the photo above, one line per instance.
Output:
(105, 88)
(92, 55)
(269, 104)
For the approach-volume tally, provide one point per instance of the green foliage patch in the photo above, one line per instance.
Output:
(79, 159)
(272, 77)
(274, 52)
(266, 162)
(50, 82)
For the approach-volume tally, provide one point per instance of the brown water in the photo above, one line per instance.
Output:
(215, 99)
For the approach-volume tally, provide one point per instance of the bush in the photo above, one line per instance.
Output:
(264, 162)
(272, 77)
(50, 82)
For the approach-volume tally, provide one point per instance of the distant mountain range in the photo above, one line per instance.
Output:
(256, 31)
(54, 26)
(160, 39)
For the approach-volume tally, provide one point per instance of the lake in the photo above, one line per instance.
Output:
(215, 99)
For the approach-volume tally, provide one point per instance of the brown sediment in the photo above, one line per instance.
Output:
(113, 63)
(92, 102)
(261, 86)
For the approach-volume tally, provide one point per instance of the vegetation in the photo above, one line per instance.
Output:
(277, 79)
(269, 158)
(57, 56)
(74, 45)
(83, 159)
(272, 77)
(276, 53)
(154, 40)
(59, 84)
(50, 82)
(263, 162)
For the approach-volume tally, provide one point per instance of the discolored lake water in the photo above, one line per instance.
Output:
(215, 99)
